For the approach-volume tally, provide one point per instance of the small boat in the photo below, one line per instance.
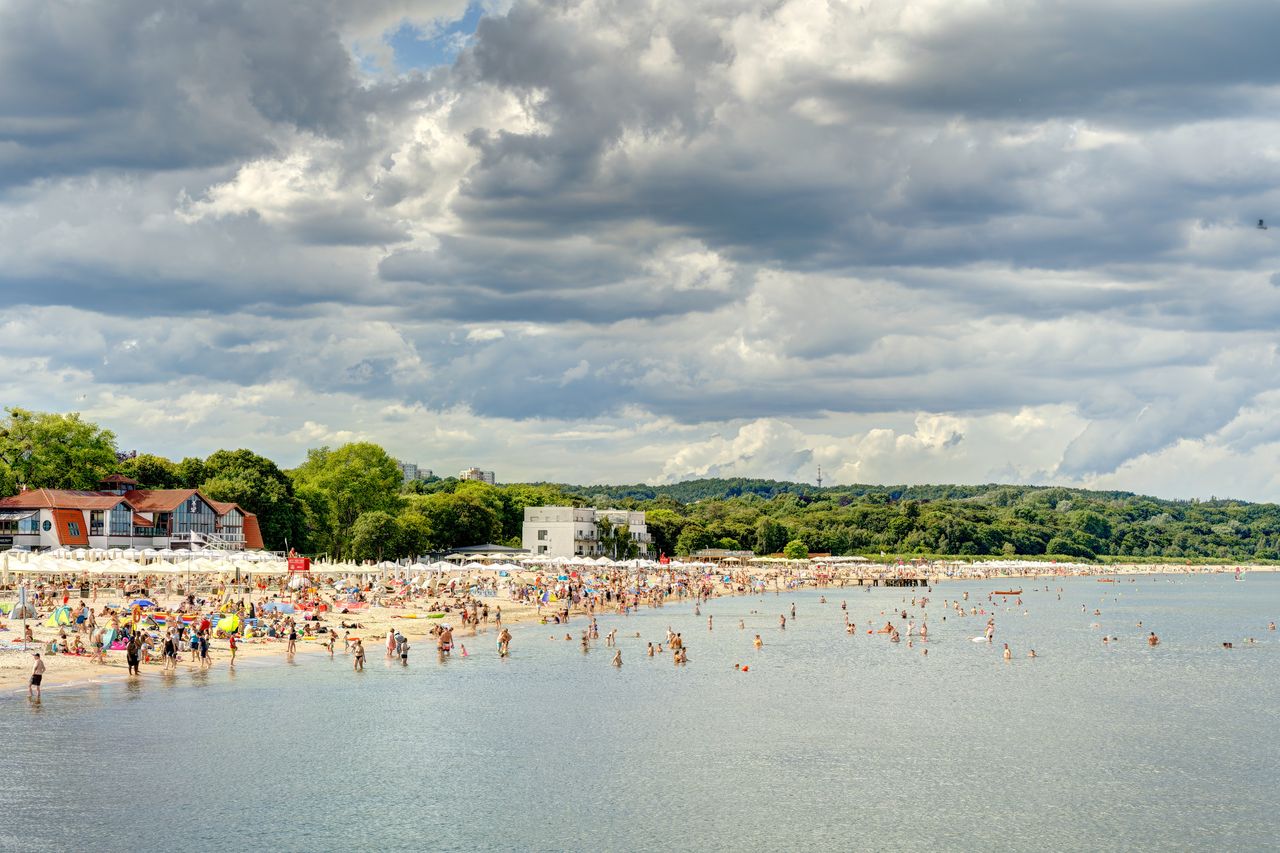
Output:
(1007, 592)
(1106, 580)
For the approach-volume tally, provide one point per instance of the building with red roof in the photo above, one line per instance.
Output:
(120, 515)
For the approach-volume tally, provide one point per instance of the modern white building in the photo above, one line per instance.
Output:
(566, 531)
(477, 474)
(411, 471)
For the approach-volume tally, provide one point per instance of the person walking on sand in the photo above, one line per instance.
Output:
(37, 675)
(358, 662)
(231, 643)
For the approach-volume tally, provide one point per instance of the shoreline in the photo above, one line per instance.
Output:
(67, 673)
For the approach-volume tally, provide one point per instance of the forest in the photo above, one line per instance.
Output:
(351, 502)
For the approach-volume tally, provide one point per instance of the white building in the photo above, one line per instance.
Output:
(565, 531)
(411, 471)
(477, 474)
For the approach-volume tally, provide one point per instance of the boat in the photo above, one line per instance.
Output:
(1007, 592)
(1106, 580)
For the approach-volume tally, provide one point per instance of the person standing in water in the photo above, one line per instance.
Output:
(37, 675)
(617, 658)
(782, 622)
(504, 643)
(1008, 655)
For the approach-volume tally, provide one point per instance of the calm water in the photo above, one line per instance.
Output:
(829, 741)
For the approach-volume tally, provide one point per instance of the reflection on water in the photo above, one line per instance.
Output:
(829, 740)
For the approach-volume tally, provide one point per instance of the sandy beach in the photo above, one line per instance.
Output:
(416, 620)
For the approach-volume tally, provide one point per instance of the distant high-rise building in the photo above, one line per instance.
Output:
(477, 474)
(411, 471)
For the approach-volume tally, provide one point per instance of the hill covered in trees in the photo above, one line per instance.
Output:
(350, 502)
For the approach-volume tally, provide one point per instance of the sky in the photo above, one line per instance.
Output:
(588, 241)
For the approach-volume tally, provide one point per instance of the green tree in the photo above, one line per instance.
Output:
(771, 536)
(374, 534)
(415, 533)
(356, 478)
(259, 486)
(52, 451)
(795, 550)
(457, 520)
(693, 538)
(151, 471)
(191, 472)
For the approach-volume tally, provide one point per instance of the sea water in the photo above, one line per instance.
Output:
(829, 741)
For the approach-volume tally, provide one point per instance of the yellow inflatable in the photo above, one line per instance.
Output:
(229, 624)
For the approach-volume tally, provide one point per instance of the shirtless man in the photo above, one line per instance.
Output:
(1152, 639)
(37, 675)
(504, 643)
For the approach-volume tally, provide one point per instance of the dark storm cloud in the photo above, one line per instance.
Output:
(146, 85)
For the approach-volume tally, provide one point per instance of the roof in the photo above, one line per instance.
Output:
(489, 549)
(161, 500)
(59, 498)
(252, 533)
(119, 478)
(71, 527)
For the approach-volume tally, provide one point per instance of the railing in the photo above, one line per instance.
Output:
(209, 541)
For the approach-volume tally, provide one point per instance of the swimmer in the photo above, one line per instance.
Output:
(1152, 639)
(742, 625)
(759, 642)
(617, 658)
(1031, 653)
(1008, 655)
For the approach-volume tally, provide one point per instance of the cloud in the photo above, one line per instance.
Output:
(903, 240)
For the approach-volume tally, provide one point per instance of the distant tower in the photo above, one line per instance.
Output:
(819, 476)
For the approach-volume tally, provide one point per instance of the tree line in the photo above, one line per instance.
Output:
(350, 502)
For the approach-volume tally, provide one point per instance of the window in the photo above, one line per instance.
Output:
(29, 525)
(73, 529)
(121, 520)
(96, 522)
(542, 535)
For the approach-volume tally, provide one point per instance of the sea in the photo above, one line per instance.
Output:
(821, 740)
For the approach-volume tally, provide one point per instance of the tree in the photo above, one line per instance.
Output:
(770, 536)
(457, 520)
(52, 451)
(415, 533)
(373, 534)
(191, 472)
(693, 538)
(151, 471)
(259, 486)
(355, 479)
(665, 525)
(795, 550)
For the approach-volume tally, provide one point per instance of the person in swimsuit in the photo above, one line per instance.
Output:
(358, 662)
(37, 675)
